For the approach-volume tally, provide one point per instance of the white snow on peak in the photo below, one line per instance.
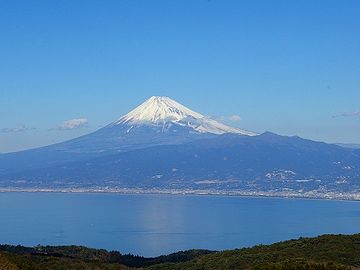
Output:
(160, 110)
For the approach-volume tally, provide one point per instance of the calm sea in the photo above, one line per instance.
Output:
(151, 225)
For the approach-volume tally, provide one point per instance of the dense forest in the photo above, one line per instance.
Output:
(327, 252)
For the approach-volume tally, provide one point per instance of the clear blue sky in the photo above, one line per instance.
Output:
(291, 67)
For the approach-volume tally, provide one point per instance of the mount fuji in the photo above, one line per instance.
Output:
(157, 121)
(162, 145)
(164, 113)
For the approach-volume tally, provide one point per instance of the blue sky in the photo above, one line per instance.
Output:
(291, 67)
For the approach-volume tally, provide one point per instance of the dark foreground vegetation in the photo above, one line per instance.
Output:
(327, 252)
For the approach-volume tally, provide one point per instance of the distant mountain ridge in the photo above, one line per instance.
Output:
(349, 145)
(163, 145)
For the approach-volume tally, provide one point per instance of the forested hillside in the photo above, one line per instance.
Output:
(327, 252)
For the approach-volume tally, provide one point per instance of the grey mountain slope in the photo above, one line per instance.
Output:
(349, 145)
(226, 162)
(108, 140)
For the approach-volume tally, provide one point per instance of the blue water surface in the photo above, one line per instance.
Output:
(151, 225)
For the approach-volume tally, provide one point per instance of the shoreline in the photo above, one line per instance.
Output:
(312, 195)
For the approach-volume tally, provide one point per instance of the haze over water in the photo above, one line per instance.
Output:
(151, 225)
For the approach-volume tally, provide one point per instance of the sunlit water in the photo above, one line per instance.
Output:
(150, 225)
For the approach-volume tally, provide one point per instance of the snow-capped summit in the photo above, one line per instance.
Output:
(158, 109)
(157, 121)
(164, 111)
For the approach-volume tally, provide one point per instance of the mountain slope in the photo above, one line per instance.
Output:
(229, 162)
(158, 121)
(326, 252)
(164, 112)
(323, 252)
(164, 145)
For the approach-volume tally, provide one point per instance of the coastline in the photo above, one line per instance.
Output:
(313, 195)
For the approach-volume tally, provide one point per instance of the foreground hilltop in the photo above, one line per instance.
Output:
(327, 252)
